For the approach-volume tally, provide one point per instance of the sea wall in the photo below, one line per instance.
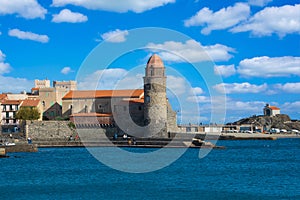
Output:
(47, 130)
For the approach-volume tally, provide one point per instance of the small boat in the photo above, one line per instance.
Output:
(9, 144)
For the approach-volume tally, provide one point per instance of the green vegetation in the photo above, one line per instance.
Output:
(28, 113)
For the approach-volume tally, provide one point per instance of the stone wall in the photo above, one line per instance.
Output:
(47, 130)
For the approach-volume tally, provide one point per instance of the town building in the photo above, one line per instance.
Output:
(51, 97)
(132, 110)
(33, 103)
(9, 109)
(271, 110)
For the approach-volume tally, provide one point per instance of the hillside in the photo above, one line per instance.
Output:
(281, 121)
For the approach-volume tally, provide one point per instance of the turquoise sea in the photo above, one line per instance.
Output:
(256, 169)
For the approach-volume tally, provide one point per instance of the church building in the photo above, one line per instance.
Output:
(144, 109)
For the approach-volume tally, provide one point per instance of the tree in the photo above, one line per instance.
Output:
(28, 113)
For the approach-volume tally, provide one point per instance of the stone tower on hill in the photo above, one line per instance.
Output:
(155, 103)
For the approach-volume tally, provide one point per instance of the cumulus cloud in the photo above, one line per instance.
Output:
(4, 67)
(270, 67)
(177, 85)
(23, 35)
(115, 5)
(259, 2)
(115, 36)
(245, 87)
(198, 99)
(222, 19)
(279, 20)
(197, 90)
(67, 15)
(191, 51)
(289, 87)
(66, 70)
(15, 85)
(102, 79)
(28, 9)
(225, 70)
(291, 107)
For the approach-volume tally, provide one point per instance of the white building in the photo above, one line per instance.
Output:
(271, 110)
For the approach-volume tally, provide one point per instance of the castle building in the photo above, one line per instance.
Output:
(271, 110)
(147, 108)
(51, 97)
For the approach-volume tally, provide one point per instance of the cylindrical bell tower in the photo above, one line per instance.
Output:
(155, 102)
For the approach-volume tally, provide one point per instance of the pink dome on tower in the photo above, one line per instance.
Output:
(155, 61)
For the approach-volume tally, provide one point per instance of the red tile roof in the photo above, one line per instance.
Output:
(34, 89)
(3, 96)
(11, 102)
(31, 102)
(274, 108)
(91, 94)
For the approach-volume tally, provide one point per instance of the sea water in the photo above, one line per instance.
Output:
(253, 169)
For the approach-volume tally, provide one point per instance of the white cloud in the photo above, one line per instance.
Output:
(270, 67)
(28, 9)
(115, 5)
(279, 20)
(4, 67)
(197, 90)
(28, 36)
(259, 2)
(102, 79)
(68, 16)
(15, 84)
(246, 87)
(177, 85)
(289, 87)
(2, 56)
(115, 36)
(225, 70)
(198, 99)
(66, 70)
(191, 51)
(222, 19)
(292, 108)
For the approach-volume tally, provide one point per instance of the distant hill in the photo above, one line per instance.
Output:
(281, 121)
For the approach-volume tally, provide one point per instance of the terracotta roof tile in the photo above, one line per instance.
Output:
(31, 102)
(274, 108)
(91, 94)
(11, 102)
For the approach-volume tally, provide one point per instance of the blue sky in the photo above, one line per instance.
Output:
(253, 46)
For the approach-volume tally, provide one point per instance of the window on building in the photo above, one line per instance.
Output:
(7, 114)
(17, 107)
(140, 107)
(10, 107)
(43, 103)
(147, 99)
(15, 121)
(85, 108)
(148, 86)
(151, 72)
(7, 121)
